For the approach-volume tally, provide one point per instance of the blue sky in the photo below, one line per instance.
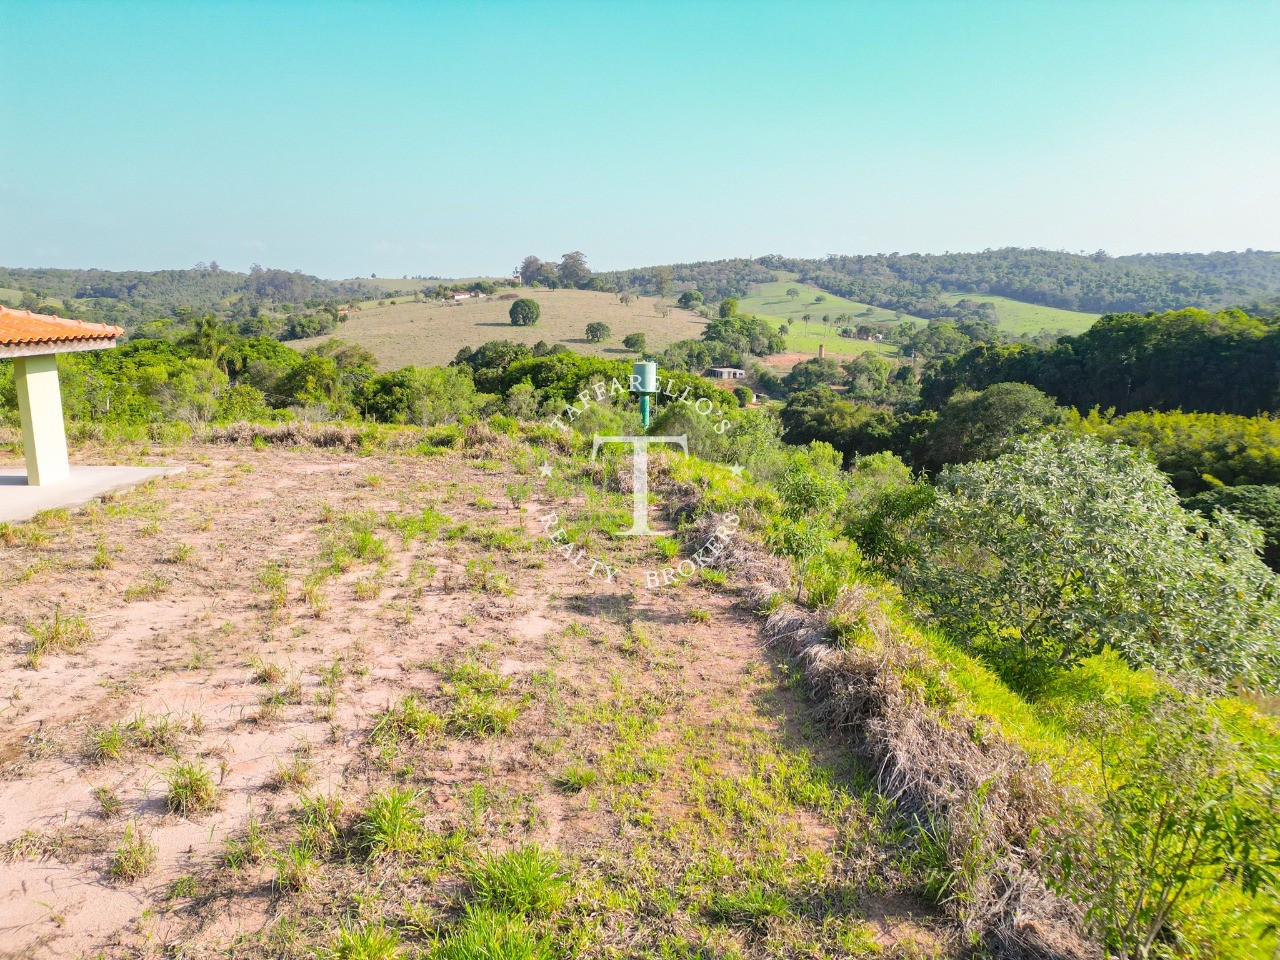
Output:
(454, 138)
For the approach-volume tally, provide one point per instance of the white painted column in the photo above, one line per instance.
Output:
(44, 438)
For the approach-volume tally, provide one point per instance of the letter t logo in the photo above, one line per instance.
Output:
(639, 476)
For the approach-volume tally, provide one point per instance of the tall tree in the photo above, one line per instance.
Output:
(574, 271)
(662, 280)
(530, 268)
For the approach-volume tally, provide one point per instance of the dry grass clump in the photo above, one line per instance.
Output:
(976, 794)
(289, 434)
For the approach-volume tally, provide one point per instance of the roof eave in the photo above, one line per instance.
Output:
(10, 351)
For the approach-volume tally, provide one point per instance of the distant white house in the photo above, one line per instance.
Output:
(727, 373)
(467, 296)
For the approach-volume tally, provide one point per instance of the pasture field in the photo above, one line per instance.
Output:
(10, 297)
(804, 342)
(1016, 317)
(426, 334)
(771, 300)
(392, 711)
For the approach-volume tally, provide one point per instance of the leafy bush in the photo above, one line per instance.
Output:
(598, 332)
(424, 396)
(1060, 549)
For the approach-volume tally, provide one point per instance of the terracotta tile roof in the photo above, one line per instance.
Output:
(22, 328)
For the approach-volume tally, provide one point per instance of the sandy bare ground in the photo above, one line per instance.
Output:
(275, 693)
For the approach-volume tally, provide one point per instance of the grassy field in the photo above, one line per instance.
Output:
(10, 297)
(771, 300)
(1016, 317)
(425, 334)
(805, 342)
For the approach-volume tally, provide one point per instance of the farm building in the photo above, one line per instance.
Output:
(727, 373)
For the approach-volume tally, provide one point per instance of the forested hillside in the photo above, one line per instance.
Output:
(916, 283)
(132, 297)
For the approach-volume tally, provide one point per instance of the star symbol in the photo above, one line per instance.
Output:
(736, 470)
(545, 469)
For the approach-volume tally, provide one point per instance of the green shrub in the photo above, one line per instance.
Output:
(1184, 816)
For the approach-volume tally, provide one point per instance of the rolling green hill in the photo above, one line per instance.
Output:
(1016, 317)
(771, 300)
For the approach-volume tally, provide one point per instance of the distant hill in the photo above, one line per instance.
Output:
(134, 296)
(918, 284)
(1069, 289)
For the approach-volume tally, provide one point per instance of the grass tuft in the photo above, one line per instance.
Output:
(191, 788)
(392, 822)
(490, 935)
(370, 941)
(575, 778)
(59, 635)
(527, 881)
(751, 907)
(134, 858)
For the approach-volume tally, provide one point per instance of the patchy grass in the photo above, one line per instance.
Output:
(59, 634)
(490, 758)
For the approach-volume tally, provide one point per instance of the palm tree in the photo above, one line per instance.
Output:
(209, 340)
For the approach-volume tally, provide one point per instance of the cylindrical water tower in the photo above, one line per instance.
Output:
(644, 381)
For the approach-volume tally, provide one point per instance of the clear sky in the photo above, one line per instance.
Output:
(453, 138)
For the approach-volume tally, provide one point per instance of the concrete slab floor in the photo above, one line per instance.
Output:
(20, 502)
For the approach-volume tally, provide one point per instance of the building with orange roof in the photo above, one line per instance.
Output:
(33, 341)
